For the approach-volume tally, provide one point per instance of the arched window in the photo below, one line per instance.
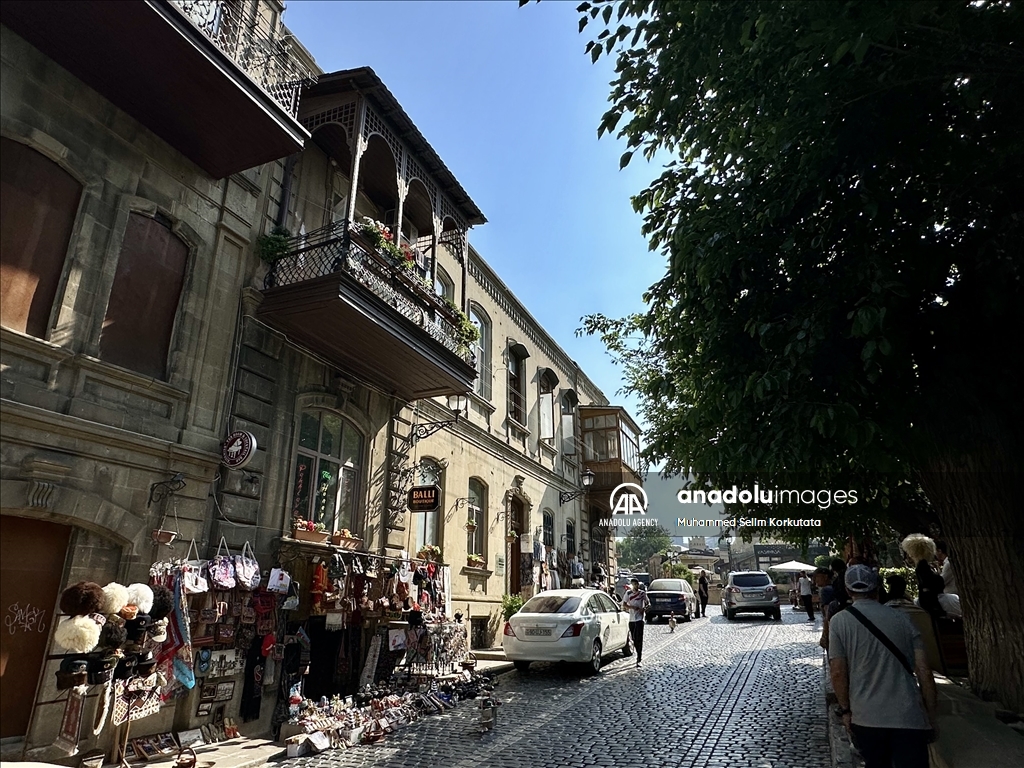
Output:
(426, 531)
(38, 205)
(327, 470)
(477, 540)
(549, 528)
(570, 537)
(482, 350)
(144, 298)
(444, 286)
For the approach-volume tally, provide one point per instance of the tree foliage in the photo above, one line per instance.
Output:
(642, 543)
(841, 222)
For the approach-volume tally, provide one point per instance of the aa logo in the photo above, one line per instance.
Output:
(628, 499)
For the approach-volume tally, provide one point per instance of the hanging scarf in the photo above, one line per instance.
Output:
(178, 648)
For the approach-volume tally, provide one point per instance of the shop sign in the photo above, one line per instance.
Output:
(499, 566)
(238, 449)
(425, 498)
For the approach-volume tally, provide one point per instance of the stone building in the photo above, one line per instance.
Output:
(185, 257)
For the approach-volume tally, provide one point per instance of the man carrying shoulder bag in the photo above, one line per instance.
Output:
(877, 663)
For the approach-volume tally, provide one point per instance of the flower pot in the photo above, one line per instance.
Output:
(317, 537)
(345, 542)
(511, 538)
(475, 563)
(471, 527)
(161, 536)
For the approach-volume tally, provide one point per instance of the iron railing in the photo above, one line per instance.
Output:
(338, 248)
(255, 43)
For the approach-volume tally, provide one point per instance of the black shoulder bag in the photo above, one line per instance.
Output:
(882, 638)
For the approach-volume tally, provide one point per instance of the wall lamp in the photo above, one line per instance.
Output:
(588, 480)
(456, 403)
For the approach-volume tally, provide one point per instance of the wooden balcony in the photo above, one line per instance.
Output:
(218, 85)
(340, 297)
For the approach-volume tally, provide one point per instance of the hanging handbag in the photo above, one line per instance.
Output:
(135, 699)
(222, 567)
(247, 569)
(225, 633)
(193, 579)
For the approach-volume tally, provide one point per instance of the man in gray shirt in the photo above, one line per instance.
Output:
(879, 697)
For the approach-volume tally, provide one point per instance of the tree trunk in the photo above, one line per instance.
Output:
(974, 495)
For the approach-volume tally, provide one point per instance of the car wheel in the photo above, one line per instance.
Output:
(595, 659)
(522, 666)
(627, 649)
(687, 616)
(730, 615)
(778, 614)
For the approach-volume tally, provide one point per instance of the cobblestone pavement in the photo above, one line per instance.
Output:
(713, 694)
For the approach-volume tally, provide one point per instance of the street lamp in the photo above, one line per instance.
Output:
(588, 480)
(456, 403)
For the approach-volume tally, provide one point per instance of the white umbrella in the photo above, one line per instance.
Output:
(791, 567)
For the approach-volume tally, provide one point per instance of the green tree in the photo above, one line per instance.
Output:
(823, 561)
(642, 543)
(841, 223)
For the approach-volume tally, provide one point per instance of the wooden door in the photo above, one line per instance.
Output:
(32, 556)
(515, 510)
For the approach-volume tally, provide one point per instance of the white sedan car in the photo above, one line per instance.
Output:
(581, 625)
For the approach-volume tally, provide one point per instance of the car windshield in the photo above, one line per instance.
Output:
(666, 585)
(551, 604)
(751, 580)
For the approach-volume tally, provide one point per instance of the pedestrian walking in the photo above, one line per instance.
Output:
(703, 585)
(636, 602)
(806, 595)
(881, 678)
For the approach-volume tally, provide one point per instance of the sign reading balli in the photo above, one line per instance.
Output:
(425, 498)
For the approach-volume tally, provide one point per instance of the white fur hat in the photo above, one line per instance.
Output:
(115, 597)
(919, 547)
(78, 634)
(141, 596)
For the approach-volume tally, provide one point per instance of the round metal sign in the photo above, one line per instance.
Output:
(238, 449)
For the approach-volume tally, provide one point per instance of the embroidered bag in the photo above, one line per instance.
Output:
(247, 569)
(135, 699)
(193, 572)
(222, 567)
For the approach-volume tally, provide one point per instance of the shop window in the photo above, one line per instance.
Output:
(570, 537)
(144, 298)
(477, 512)
(38, 205)
(482, 350)
(517, 356)
(549, 528)
(426, 529)
(596, 549)
(327, 470)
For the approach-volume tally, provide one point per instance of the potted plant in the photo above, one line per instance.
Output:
(381, 237)
(345, 539)
(272, 247)
(430, 552)
(307, 530)
(511, 537)
(471, 525)
(475, 561)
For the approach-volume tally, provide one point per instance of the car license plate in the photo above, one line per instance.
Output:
(537, 632)
(753, 594)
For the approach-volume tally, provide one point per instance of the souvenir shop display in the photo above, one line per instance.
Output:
(379, 710)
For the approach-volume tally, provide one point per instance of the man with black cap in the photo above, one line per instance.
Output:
(875, 654)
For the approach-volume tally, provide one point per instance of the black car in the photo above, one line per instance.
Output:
(671, 596)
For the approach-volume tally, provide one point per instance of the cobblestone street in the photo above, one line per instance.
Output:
(714, 694)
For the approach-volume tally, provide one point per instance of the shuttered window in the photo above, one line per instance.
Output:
(144, 298)
(38, 205)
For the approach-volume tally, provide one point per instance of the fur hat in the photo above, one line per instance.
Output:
(82, 598)
(141, 596)
(115, 597)
(138, 627)
(919, 547)
(163, 602)
(158, 632)
(79, 634)
(113, 634)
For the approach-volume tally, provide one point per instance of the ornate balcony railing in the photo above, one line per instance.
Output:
(256, 45)
(339, 248)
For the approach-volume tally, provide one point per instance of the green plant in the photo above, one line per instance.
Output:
(908, 575)
(272, 247)
(510, 605)
(476, 559)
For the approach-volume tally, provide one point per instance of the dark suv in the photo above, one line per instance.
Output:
(750, 592)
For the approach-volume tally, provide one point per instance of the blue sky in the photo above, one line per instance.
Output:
(510, 101)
